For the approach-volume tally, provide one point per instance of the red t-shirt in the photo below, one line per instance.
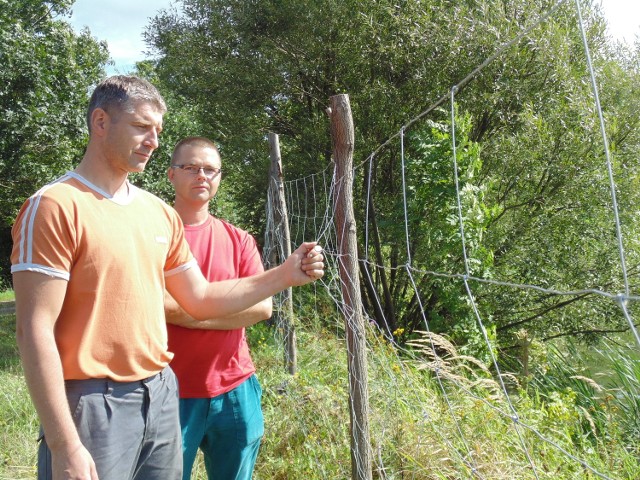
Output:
(211, 362)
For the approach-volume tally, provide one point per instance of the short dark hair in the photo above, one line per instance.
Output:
(121, 93)
(200, 142)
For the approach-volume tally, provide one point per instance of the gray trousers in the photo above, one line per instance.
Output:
(131, 429)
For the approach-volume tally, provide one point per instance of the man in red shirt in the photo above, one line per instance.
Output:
(220, 410)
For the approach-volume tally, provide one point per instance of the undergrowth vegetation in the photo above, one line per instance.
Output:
(18, 421)
(422, 425)
(6, 295)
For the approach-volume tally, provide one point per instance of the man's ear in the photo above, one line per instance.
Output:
(99, 120)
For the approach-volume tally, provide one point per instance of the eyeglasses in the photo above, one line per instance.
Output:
(209, 172)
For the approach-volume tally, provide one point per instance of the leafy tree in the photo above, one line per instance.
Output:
(556, 224)
(46, 71)
(536, 204)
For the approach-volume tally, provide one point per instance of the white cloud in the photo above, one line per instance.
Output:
(121, 23)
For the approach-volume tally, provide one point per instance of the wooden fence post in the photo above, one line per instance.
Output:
(342, 139)
(281, 227)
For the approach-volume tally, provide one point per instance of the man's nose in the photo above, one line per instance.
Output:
(152, 139)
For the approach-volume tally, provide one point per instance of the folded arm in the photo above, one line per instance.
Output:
(246, 318)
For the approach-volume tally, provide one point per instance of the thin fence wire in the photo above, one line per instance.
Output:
(311, 216)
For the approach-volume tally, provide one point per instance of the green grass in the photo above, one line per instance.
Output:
(6, 296)
(18, 422)
(414, 432)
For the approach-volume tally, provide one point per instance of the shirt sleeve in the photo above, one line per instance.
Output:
(179, 257)
(43, 238)
(251, 262)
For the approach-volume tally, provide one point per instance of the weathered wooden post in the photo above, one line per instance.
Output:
(281, 227)
(342, 139)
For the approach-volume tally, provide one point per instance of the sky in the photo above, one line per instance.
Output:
(121, 23)
(623, 17)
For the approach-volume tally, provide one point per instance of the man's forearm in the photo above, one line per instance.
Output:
(44, 378)
(252, 315)
(203, 300)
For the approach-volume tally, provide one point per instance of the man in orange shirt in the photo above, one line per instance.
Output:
(91, 259)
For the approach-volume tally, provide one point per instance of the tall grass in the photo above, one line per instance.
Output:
(6, 295)
(416, 433)
(18, 422)
(624, 391)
